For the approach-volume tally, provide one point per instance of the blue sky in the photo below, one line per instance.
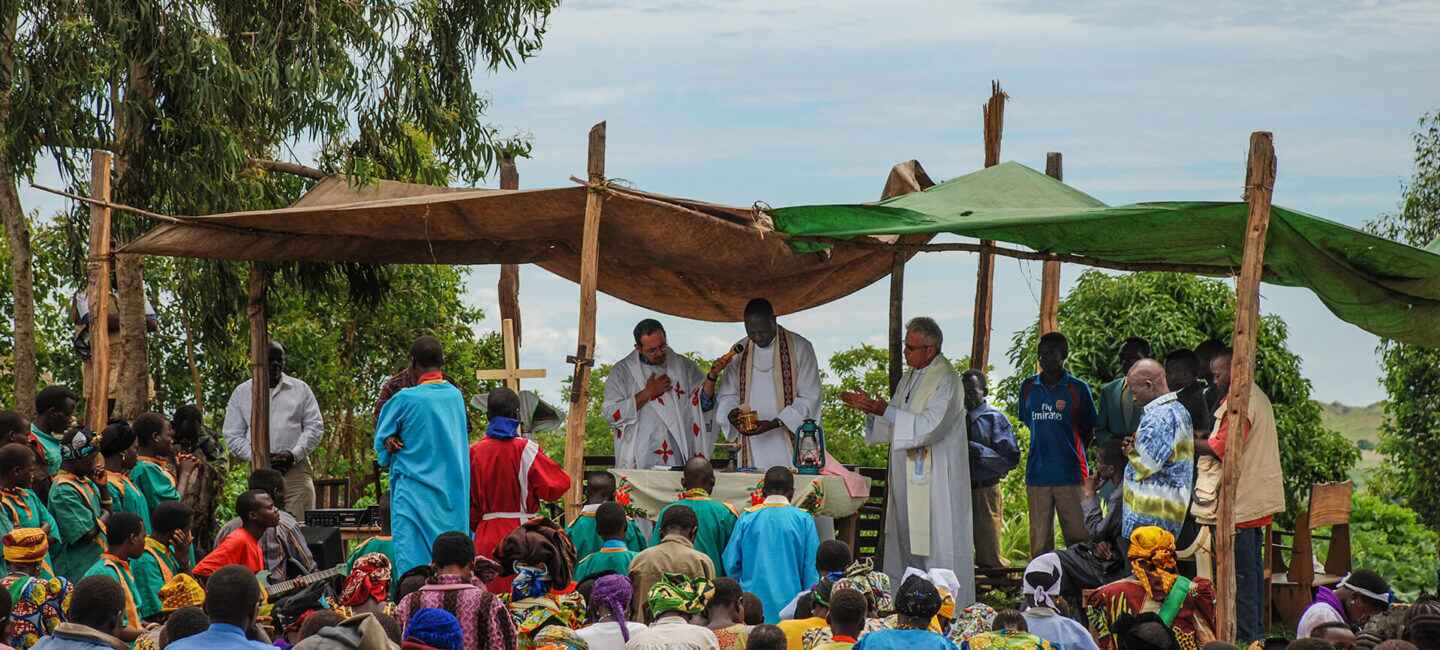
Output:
(811, 101)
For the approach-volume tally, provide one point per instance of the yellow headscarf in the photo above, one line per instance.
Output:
(26, 546)
(1152, 560)
(180, 592)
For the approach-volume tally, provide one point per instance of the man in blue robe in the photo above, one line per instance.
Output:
(421, 437)
(772, 551)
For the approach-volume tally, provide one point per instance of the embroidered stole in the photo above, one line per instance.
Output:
(784, 383)
(127, 585)
(919, 464)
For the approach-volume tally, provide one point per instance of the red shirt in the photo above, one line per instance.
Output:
(1217, 444)
(239, 547)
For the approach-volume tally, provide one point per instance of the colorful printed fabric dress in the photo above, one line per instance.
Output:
(37, 607)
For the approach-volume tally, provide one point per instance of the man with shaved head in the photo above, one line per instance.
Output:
(717, 518)
(1159, 474)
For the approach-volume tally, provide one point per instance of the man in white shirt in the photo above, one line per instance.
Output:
(295, 430)
(778, 377)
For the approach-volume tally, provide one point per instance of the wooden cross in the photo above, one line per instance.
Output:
(512, 374)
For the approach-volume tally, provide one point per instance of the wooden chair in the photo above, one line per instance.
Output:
(332, 493)
(1291, 588)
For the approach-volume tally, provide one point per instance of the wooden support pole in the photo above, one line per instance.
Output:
(585, 349)
(97, 397)
(993, 114)
(897, 324)
(1050, 275)
(259, 370)
(1259, 186)
(509, 285)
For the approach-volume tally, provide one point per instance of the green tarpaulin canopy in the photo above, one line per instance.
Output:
(1384, 287)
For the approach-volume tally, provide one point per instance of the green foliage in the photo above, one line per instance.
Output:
(1172, 311)
(860, 368)
(1391, 540)
(1410, 435)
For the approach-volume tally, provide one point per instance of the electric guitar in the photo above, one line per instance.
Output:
(274, 591)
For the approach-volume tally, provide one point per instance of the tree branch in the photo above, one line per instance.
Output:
(288, 168)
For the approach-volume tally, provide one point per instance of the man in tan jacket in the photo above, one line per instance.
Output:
(674, 554)
(1260, 494)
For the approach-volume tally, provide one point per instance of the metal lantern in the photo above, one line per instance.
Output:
(809, 448)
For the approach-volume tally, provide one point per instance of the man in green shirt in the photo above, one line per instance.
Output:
(76, 497)
(168, 552)
(613, 556)
(119, 449)
(717, 518)
(153, 473)
(126, 538)
(19, 505)
(54, 410)
(1119, 416)
(599, 488)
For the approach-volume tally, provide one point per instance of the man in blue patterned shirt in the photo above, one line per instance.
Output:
(1159, 477)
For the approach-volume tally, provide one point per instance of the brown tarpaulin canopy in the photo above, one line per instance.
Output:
(676, 256)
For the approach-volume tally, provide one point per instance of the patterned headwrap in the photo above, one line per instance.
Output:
(539, 542)
(369, 578)
(918, 598)
(614, 592)
(180, 592)
(1041, 587)
(559, 637)
(972, 620)
(677, 593)
(26, 546)
(78, 443)
(1152, 559)
(862, 577)
(436, 628)
(530, 582)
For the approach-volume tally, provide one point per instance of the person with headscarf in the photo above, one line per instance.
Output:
(1009, 633)
(672, 602)
(1040, 594)
(541, 562)
(37, 602)
(1187, 606)
(610, 627)
(1422, 625)
(77, 500)
(180, 592)
(970, 621)
(434, 628)
(121, 451)
(916, 605)
(813, 617)
(1358, 596)
(367, 587)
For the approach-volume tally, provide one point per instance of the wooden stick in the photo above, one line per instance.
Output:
(105, 203)
(585, 350)
(993, 116)
(508, 287)
(1050, 274)
(897, 325)
(97, 398)
(288, 168)
(1259, 186)
(259, 371)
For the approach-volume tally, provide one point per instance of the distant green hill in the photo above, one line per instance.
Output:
(1360, 424)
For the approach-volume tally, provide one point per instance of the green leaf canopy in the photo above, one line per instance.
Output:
(1384, 287)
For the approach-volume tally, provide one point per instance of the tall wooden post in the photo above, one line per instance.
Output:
(993, 114)
(97, 396)
(585, 349)
(1050, 275)
(509, 285)
(897, 324)
(1259, 186)
(259, 362)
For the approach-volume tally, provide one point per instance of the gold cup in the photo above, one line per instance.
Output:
(749, 419)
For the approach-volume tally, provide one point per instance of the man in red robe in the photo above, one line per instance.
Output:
(509, 475)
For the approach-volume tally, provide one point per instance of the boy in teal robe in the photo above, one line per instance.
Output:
(120, 449)
(54, 408)
(717, 518)
(76, 504)
(599, 488)
(168, 552)
(772, 552)
(613, 556)
(125, 535)
(153, 473)
(20, 507)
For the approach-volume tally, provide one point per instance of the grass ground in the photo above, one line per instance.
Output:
(1361, 425)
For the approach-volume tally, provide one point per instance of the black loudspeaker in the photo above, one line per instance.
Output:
(325, 545)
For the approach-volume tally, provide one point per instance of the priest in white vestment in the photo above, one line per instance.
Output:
(927, 523)
(659, 404)
(777, 376)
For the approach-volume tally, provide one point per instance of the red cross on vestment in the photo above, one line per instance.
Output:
(664, 452)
